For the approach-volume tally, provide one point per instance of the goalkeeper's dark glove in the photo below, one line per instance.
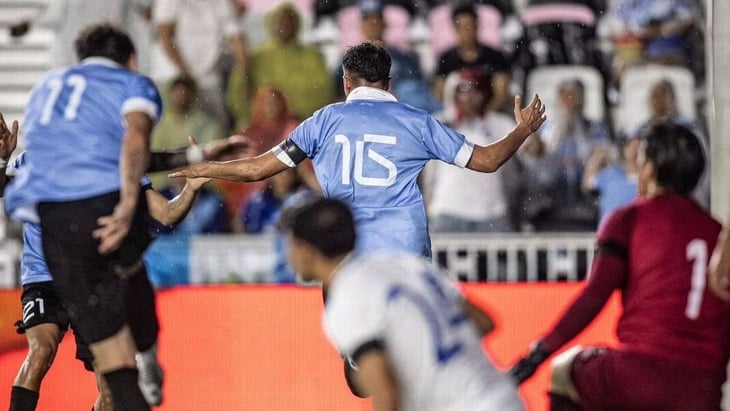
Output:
(528, 364)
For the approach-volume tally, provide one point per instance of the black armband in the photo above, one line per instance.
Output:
(289, 153)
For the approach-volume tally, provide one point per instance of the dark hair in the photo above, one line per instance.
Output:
(104, 40)
(326, 224)
(463, 7)
(677, 155)
(367, 61)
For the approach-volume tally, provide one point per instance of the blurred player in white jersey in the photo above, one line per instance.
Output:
(369, 151)
(416, 340)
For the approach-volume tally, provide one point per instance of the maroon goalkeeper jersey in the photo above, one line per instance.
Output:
(656, 252)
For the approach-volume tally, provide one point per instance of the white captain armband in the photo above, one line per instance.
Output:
(289, 153)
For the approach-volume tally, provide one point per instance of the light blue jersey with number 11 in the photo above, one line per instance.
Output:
(73, 128)
(369, 152)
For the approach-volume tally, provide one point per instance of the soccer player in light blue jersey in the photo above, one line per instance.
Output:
(45, 318)
(87, 130)
(369, 151)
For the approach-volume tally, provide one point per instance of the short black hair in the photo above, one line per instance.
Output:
(677, 155)
(104, 40)
(367, 61)
(463, 7)
(326, 224)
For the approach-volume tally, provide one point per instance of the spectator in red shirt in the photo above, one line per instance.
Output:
(674, 333)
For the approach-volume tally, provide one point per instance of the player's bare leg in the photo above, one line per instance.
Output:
(114, 359)
(42, 346)
(563, 395)
(104, 401)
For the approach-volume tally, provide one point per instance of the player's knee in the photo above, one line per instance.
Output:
(41, 351)
(561, 382)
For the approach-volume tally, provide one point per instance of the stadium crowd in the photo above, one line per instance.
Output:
(259, 68)
(263, 101)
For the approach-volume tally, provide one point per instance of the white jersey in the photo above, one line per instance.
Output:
(401, 302)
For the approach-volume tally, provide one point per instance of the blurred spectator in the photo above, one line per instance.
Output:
(663, 107)
(67, 17)
(323, 8)
(264, 211)
(191, 33)
(663, 104)
(612, 172)
(458, 199)
(559, 32)
(284, 62)
(505, 7)
(182, 118)
(407, 81)
(597, 6)
(470, 53)
(571, 138)
(652, 30)
(271, 122)
(261, 213)
(540, 174)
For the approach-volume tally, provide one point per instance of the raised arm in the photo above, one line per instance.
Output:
(8, 142)
(244, 170)
(163, 160)
(171, 212)
(488, 159)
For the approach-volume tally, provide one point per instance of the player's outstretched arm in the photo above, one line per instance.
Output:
(527, 365)
(244, 170)
(171, 212)
(8, 142)
(163, 160)
(488, 159)
(479, 317)
(719, 270)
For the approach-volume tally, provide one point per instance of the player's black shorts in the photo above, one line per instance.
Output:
(42, 305)
(92, 286)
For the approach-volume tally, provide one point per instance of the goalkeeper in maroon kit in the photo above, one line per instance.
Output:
(674, 333)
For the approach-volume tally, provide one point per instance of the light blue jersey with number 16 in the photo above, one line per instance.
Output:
(368, 152)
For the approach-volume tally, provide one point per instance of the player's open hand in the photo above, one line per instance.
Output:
(719, 269)
(531, 116)
(8, 138)
(113, 228)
